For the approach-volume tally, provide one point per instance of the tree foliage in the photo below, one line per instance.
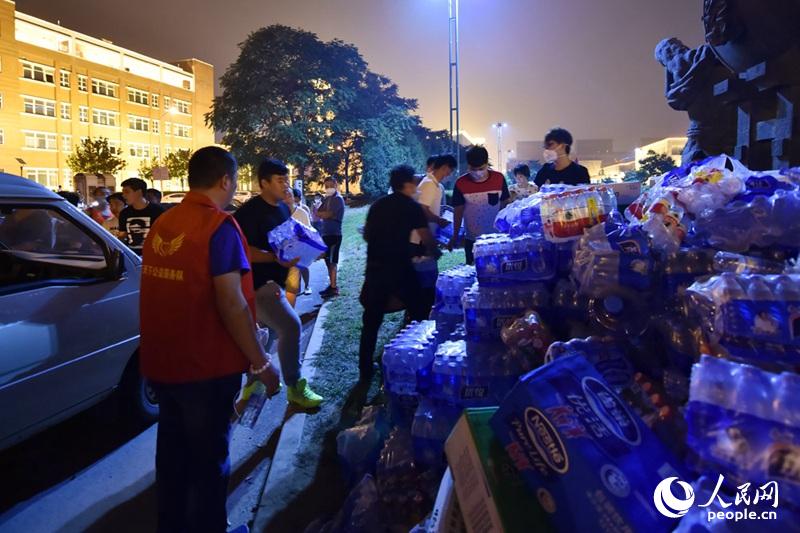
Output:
(292, 96)
(177, 163)
(95, 156)
(654, 164)
(146, 168)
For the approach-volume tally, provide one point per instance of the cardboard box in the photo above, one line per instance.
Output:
(446, 515)
(491, 493)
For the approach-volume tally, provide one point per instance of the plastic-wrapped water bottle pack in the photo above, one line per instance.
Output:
(503, 260)
(293, 239)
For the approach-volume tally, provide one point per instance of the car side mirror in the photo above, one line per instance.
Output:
(115, 264)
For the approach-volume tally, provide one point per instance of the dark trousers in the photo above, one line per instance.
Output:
(192, 463)
(470, 257)
(376, 294)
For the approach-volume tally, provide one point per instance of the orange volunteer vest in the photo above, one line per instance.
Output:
(183, 338)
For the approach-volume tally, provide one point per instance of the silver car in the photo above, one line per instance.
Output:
(69, 313)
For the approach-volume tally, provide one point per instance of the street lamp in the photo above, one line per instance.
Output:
(452, 23)
(22, 163)
(499, 127)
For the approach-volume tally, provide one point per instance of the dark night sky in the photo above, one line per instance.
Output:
(584, 64)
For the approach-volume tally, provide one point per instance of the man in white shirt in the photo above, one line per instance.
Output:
(430, 193)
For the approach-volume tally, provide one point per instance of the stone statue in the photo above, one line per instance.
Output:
(690, 78)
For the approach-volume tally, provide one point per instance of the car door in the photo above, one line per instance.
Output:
(67, 328)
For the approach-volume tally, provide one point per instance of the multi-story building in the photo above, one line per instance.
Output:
(58, 86)
(670, 146)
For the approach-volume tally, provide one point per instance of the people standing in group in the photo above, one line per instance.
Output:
(389, 275)
(99, 210)
(430, 195)
(331, 214)
(301, 213)
(478, 196)
(116, 203)
(522, 187)
(136, 220)
(558, 167)
(153, 196)
(196, 277)
(257, 217)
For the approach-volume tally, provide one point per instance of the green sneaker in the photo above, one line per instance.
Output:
(302, 395)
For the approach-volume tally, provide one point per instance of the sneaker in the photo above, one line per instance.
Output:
(307, 291)
(330, 292)
(302, 395)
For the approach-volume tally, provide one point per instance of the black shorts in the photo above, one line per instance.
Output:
(333, 242)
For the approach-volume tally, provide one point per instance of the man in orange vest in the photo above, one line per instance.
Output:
(197, 338)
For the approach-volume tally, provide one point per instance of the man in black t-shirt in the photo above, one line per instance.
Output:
(390, 272)
(136, 220)
(257, 217)
(559, 168)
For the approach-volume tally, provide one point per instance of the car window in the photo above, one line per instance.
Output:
(39, 244)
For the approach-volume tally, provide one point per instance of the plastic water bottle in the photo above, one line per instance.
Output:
(711, 382)
(743, 264)
(787, 399)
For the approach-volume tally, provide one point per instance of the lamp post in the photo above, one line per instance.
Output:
(498, 127)
(452, 23)
(22, 163)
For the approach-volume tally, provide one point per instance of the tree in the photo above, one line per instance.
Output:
(606, 180)
(635, 175)
(146, 168)
(95, 156)
(654, 164)
(177, 164)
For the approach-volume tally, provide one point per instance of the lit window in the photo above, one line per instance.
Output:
(83, 113)
(103, 117)
(64, 79)
(82, 83)
(138, 123)
(66, 111)
(139, 150)
(39, 106)
(137, 97)
(181, 131)
(38, 140)
(66, 143)
(182, 106)
(32, 71)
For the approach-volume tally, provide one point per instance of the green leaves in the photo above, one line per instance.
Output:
(95, 156)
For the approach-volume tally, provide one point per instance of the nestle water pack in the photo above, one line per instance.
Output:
(503, 260)
(744, 423)
(293, 239)
(487, 309)
(592, 464)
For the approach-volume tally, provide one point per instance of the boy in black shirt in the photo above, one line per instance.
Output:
(136, 220)
(559, 168)
(257, 217)
(390, 272)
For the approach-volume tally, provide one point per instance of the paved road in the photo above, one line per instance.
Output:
(95, 472)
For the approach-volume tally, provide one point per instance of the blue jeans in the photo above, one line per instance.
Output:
(192, 463)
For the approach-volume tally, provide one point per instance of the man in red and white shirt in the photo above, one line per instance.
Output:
(478, 196)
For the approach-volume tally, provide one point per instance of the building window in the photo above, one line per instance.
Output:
(138, 123)
(83, 113)
(181, 131)
(104, 88)
(44, 176)
(167, 150)
(1, 100)
(182, 106)
(66, 111)
(64, 79)
(166, 102)
(39, 140)
(2, 137)
(32, 71)
(156, 126)
(167, 128)
(115, 147)
(137, 97)
(66, 143)
(82, 83)
(103, 117)
(39, 106)
(155, 151)
(139, 150)
(154, 100)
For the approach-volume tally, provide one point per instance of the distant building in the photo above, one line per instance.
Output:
(58, 86)
(615, 171)
(671, 146)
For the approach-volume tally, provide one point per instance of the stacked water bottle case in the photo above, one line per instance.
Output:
(619, 347)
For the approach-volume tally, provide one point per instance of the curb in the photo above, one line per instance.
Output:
(292, 431)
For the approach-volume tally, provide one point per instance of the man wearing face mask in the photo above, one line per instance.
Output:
(478, 196)
(559, 168)
(331, 213)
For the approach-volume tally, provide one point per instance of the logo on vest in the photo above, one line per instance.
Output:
(167, 248)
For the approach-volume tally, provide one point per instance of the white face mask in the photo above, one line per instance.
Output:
(479, 175)
(550, 156)
(330, 191)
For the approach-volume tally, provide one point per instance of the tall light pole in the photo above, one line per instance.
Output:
(498, 127)
(453, 61)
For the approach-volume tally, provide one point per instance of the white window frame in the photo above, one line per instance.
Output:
(65, 111)
(182, 106)
(30, 70)
(137, 123)
(179, 130)
(105, 117)
(49, 141)
(43, 176)
(167, 128)
(109, 89)
(64, 79)
(139, 150)
(2, 136)
(156, 126)
(66, 143)
(154, 100)
(83, 114)
(83, 83)
(138, 96)
(35, 103)
(155, 150)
